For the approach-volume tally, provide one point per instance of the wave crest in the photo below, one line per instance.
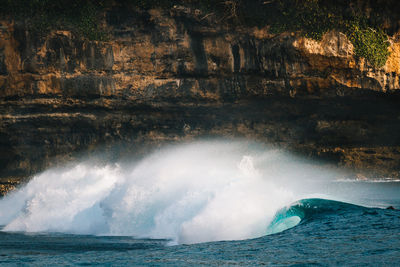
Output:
(306, 210)
(200, 192)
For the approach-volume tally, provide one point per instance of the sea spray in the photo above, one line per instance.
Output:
(57, 199)
(205, 191)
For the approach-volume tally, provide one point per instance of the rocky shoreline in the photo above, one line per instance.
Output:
(168, 77)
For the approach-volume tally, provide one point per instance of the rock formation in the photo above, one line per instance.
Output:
(173, 75)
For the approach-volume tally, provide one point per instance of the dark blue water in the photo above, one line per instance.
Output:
(329, 233)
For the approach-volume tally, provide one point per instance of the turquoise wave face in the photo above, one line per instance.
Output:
(305, 210)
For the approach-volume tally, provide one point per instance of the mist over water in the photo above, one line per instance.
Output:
(190, 193)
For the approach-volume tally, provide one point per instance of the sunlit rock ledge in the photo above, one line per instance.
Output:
(161, 79)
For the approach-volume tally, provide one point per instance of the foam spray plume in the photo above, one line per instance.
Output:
(199, 192)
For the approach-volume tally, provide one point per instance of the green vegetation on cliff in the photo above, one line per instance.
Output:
(363, 22)
(313, 18)
(369, 43)
(41, 16)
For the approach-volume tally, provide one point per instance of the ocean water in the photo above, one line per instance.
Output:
(204, 203)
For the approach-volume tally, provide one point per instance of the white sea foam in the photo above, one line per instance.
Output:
(205, 191)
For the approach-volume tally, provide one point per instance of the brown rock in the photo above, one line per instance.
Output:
(166, 80)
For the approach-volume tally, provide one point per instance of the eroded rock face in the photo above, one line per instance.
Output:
(171, 76)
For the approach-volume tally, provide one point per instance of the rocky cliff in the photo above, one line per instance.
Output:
(173, 75)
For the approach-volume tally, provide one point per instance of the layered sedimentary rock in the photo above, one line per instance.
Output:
(168, 76)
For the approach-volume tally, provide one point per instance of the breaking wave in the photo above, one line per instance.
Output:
(199, 192)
